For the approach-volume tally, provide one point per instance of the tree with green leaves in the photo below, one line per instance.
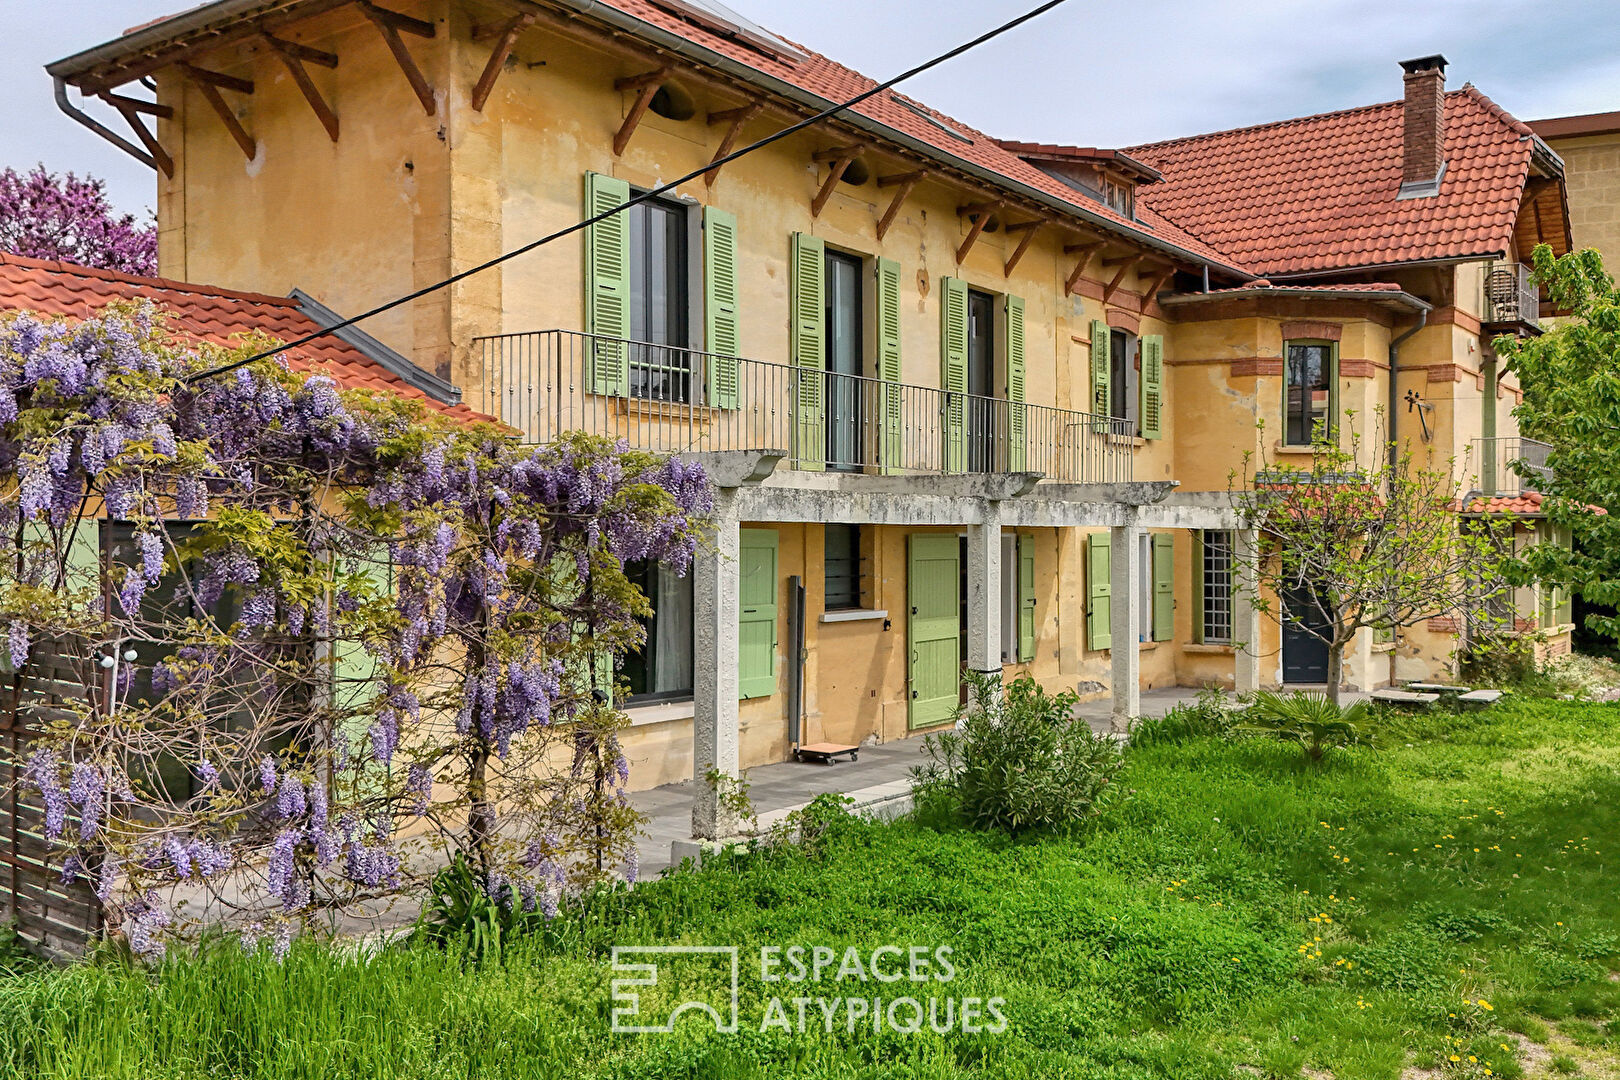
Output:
(1361, 539)
(1570, 377)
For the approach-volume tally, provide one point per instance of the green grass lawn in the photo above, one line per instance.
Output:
(1439, 907)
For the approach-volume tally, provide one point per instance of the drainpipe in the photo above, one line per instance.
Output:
(75, 113)
(1394, 366)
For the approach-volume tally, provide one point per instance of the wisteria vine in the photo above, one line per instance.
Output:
(325, 636)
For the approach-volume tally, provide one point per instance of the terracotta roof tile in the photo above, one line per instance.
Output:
(204, 312)
(1319, 193)
(1526, 502)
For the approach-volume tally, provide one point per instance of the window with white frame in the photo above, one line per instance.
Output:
(1216, 585)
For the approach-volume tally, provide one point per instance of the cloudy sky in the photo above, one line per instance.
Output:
(1094, 72)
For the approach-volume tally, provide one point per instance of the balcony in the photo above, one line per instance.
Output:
(1512, 300)
(664, 399)
(1495, 458)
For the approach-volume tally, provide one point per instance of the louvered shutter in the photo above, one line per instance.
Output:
(1152, 386)
(1164, 586)
(889, 370)
(607, 286)
(720, 305)
(809, 349)
(1199, 584)
(953, 337)
(1026, 599)
(1100, 592)
(1102, 378)
(756, 594)
(1017, 424)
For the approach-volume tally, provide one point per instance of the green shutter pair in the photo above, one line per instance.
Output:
(1151, 382)
(1100, 609)
(953, 342)
(607, 294)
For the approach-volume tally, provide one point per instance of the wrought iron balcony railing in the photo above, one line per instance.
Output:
(1495, 459)
(675, 400)
(1511, 296)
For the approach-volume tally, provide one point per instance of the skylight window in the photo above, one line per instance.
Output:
(954, 132)
(715, 16)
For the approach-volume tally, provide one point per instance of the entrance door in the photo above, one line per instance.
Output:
(933, 629)
(981, 383)
(1305, 655)
(845, 340)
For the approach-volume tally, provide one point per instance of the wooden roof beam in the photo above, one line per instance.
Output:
(840, 158)
(1085, 253)
(1157, 283)
(293, 60)
(130, 109)
(1029, 229)
(904, 182)
(208, 84)
(646, 85)
(390, 24)
(303, 52)
(505, 35)
(736, 118)
(1125, 266)
(981, 213)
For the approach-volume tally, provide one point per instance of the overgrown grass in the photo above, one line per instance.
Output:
(1444, 897)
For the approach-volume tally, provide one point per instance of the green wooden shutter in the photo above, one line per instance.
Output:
(1102, 372)
(354, 670)
(1332, 433)
(83, 569)
(607, 286)
(1017, 442)
(809, 349)
(953, 335)
(1152, 386)
(1164, 586)
(1100, 605)
(933, 629)
(757, 592)
(889, 369)
(720, 304)
(1026, 599)
(1198, 586)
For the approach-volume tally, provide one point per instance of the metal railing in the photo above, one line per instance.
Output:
(660, 397)
(1510, 295)
(1495, 458)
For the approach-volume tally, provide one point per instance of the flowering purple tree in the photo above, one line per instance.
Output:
(331, 637)
(46, 216)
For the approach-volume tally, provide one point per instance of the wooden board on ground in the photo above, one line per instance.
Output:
(826, 752)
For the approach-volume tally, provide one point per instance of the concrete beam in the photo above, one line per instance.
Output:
(715, 722)
(984, 595)
(1193, 510)
(1125, 630)
(1245, 615)
(734, 468)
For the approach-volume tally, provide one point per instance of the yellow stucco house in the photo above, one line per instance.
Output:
(970, 401)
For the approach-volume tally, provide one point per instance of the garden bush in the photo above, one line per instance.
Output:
(1017, 760)
(1310, 720)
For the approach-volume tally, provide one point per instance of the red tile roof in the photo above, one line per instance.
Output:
(1570, 127)
(203, 312)
(1320, 193)
(1526, 502)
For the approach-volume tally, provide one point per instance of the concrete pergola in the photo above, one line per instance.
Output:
(748, 488)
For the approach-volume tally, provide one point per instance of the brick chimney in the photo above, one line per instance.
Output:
(1423, 143)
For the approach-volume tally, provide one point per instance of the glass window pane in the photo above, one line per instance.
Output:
(842, 558)
(1309, 389)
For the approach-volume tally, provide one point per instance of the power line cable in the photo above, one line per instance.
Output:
(643, 197)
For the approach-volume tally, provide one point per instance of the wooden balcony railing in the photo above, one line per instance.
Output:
(675, 400)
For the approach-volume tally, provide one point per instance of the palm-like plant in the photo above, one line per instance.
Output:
(1311, 720)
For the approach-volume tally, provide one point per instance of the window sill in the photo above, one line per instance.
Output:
(1280, 448)
(1207, 648)
(659, 712)
(1125, 440)
(633, 406)
(853, 615)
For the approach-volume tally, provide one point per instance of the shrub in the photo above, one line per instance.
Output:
(1017, 760)
(1212, 714)
(462, 912)
(1310, 720)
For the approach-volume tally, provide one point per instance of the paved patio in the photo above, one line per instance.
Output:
(882, 771)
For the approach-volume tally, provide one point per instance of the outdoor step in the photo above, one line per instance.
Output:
(1403, 697)
(1483, 697)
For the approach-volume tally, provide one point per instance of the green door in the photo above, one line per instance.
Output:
(1100, 596)
(933, 631)
(756, 594)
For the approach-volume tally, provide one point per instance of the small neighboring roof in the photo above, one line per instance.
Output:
(1527, 503)
(1386, 293)
(1088, 154)
(1569, 127)
(1321, 193)
(207, 314)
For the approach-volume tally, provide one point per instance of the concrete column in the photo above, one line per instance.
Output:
(1245, 615)
(984, 593)
(714, 677)
(1125, 630)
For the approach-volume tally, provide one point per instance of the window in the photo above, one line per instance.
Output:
(842, 558)
(1216, 587)
(661, 670)
(846, 344)
(1122, 376)
(981, 416)
(660, 301)
(1308, 392)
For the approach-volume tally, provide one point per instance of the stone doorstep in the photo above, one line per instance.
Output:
(885, 802)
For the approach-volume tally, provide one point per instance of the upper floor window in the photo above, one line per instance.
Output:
(660, 301)
(1122, 376)
(846, 347)
(1308, 391)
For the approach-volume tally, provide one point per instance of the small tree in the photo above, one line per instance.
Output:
(46, 216)
(1356, 541)
(1570, 377)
